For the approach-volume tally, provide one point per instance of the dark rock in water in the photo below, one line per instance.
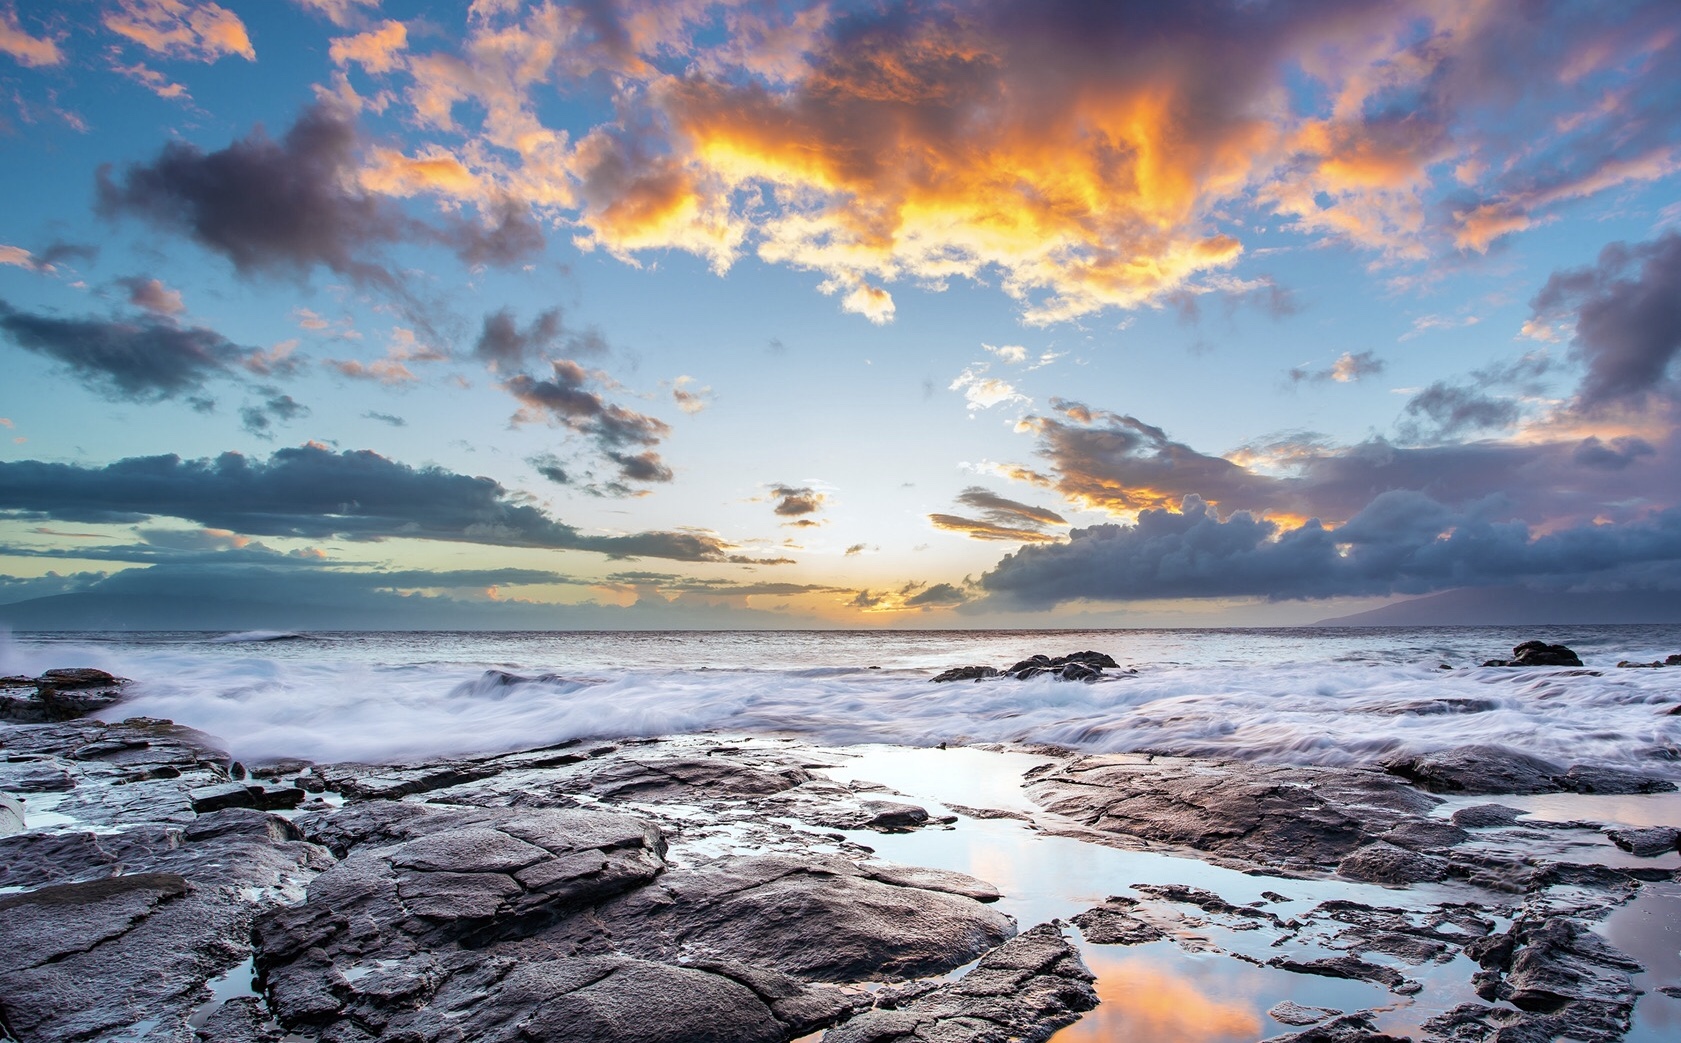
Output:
(1538, 653)
(1484, 815)
(1497, 769)
(1567, 981)
(1277, 816)
(1076, 666)
(1021, 992)
(1350, 967)
(1646, 843)
(1350, 1028)
(1288, 1013)
(58, 695)
(1672, 660)
(1115, 923)
(245, 795)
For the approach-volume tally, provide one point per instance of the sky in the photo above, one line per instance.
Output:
(678, 314)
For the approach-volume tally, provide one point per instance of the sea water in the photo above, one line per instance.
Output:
(1327, 696)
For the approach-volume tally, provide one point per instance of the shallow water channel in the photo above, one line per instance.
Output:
(1199, 985)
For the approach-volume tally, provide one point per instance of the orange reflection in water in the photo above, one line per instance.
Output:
(1142, 1000)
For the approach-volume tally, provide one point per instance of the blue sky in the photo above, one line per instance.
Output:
(761, 314)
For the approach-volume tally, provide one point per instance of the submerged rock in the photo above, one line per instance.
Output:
(1538, 653)
(964, 673)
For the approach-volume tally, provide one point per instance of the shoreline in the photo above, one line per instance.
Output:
(1207, 919)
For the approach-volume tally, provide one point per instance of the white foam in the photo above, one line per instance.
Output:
(346, 700)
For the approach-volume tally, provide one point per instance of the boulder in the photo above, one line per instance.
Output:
(1538, 653)
(1646, 843)
(964, 673)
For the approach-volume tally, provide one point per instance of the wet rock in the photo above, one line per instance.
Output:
(1491, 769)
(680, 778)
(242, 1019)
(1564, 980)
(58, 695)
(44, 775)
(926, 879)
(1646, 843)
(1288, 1013)
(819, 918)
(1349, 1028)
(1076, 666)
(1115, 923)
(1538, 653)
(1350, 967)
(964, 673)
(1384, 863)
(1482, 816)
(244, 795)
(1283, 817)
(1021, 992)
(1436, 707)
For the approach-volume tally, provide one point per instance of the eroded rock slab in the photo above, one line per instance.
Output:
(1021, 992)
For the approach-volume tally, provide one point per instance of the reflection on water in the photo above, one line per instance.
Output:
(1145, 997)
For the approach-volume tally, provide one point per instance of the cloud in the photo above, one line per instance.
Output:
(48, 260)
(259, 419)
(386, 418)
(505, 348)
(1001, 518)
(29, 51)
(983, 392)
(551, 467)
(566, 400)
(690, 402)
(1348, 368)
(1117, 463)
(153, 296)
(1626, 310)
(285, 207)
(377, 50)
(342, 13)
(1401, 542)
(314, 493)
(938, 595)
(140, 359)
(797, 502)
(856, 548)
(191, 29)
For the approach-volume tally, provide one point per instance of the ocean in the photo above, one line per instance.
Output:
(1326, 696)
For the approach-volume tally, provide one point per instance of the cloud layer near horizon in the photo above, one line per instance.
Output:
(312, 492)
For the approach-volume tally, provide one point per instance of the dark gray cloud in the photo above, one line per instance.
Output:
(937, 595)
(1122, 464)
(275, 408)
(506, 348)
(386, 418)
(285, 207)
(1402, 542)
(623, 436)
(312, 492)
(1444, 410)
(142, 359)
(1627, 314)
(551, 467)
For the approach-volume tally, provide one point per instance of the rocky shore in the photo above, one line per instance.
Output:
(709, 888)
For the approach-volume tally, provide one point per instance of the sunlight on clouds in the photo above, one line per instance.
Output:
(182, 29)
(378, 50)
(32, 51)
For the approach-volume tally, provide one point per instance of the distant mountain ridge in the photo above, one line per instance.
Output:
(1520, 606)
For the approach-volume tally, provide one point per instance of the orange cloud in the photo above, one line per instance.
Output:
(31, 51)
(378, 50)
(181, 29)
